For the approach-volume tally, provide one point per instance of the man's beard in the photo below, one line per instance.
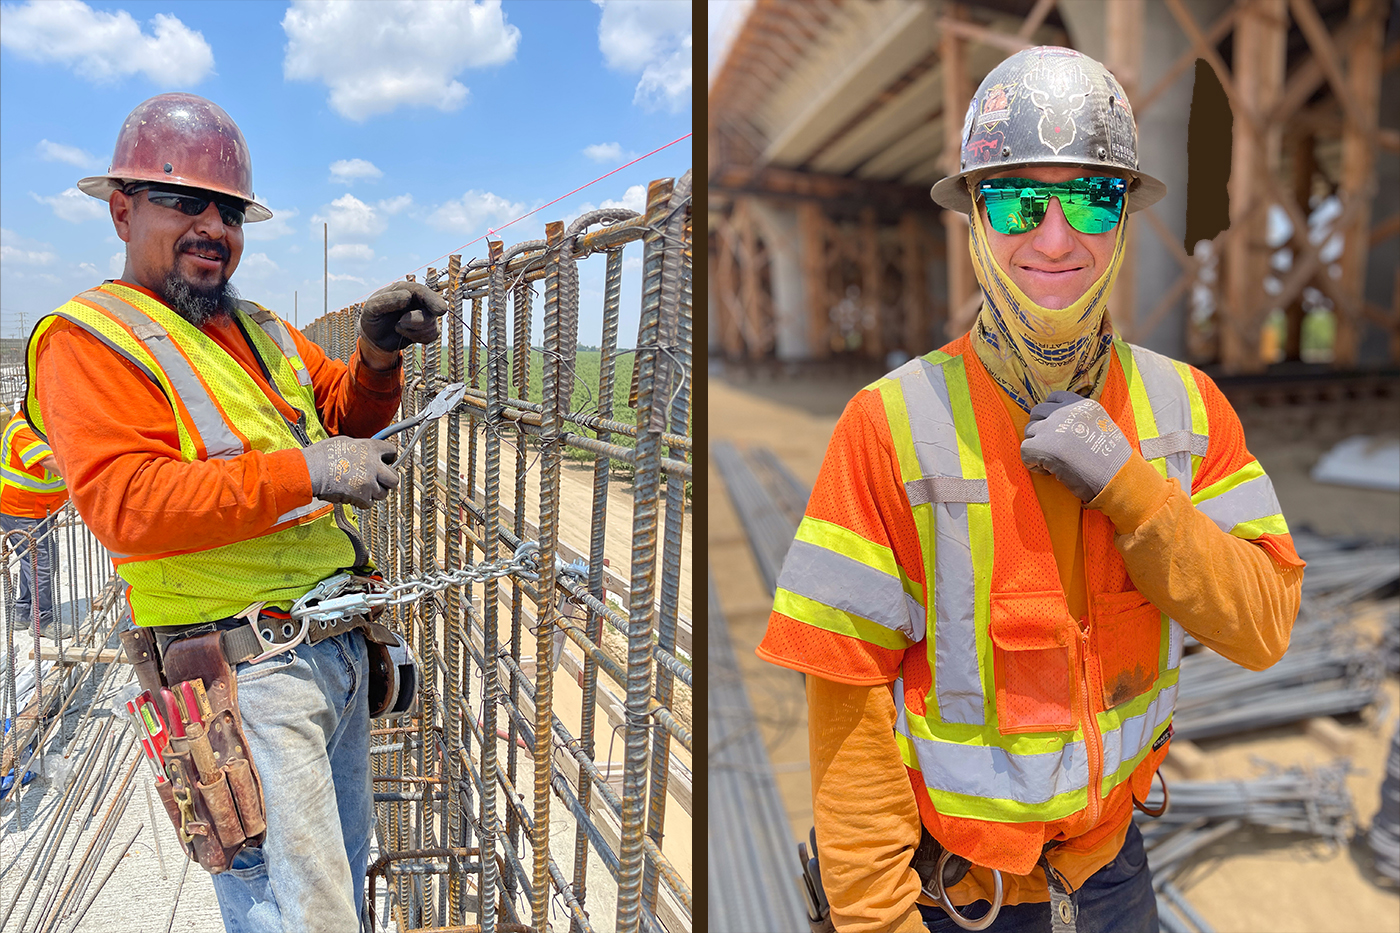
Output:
(195, 303)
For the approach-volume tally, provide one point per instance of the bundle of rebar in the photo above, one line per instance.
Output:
(1384, 836)
(1341, 571)
(1295, 800)
(1329, 669)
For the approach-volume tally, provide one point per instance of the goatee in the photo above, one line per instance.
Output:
(196, 304)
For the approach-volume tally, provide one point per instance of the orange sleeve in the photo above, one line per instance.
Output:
(353, 400)
(864, 851)
(114, 434)
(1235, 596)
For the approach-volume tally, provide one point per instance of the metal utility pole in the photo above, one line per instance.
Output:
(296, 321)
(325, 269)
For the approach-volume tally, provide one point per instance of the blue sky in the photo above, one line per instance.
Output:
(411, 128)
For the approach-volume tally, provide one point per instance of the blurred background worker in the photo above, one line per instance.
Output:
(1005, 546)
(213, 450)
(31, 491)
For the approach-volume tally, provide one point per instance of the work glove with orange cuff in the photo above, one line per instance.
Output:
(351, 470)
(1074, 439)
(402, 313)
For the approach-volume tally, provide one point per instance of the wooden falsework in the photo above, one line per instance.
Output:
(1123, 57)
(957, 91)
(811, 220)
(911, 240)
(870, 275)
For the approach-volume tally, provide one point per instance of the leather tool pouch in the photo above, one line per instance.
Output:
(219, 817)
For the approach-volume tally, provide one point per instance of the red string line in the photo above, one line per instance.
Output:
(491, 231)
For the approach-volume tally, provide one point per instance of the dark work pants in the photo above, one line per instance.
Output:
(30, 589)
(1117, 898)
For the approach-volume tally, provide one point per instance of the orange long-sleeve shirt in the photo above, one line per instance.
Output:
(1227, 592)
(115, 438)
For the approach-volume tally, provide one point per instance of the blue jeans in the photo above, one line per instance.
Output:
(30, 589)
(1117, 898)
(306, 715)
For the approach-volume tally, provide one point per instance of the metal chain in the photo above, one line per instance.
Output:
(325, 604)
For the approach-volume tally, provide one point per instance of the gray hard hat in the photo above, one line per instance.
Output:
(1049, 106)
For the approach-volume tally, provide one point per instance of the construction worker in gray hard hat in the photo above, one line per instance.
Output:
(214, 451)
(1007, 542)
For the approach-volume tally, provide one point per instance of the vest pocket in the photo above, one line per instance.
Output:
(1128, 635)
(1032, 634)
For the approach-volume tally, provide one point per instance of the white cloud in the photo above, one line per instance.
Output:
(473, 210)
(17, 249)
(116, 264)
(278, 226)
(651, 37)
(57, 152)
(349, 219)
(87, 268)
(377, 57)
(256, 265)
(395, 205)
(103, 47)
(344, 278)
(354, 252)
(634, 199)
(348, 171)
(72, 205)
(603, 152)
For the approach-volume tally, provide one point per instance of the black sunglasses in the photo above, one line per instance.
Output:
(231, 213)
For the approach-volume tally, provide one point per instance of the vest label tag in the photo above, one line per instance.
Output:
(1162, 739)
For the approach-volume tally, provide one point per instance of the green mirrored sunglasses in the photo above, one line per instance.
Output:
(1018, 205)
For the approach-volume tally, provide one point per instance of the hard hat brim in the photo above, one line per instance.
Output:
(102, 186)
(952, 192)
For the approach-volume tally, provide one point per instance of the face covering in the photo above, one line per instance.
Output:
(1032, 351)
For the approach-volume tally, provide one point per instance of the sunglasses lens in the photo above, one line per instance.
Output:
(1018, 205)
(193, 206)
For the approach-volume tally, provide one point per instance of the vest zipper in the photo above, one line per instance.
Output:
(1093, 739)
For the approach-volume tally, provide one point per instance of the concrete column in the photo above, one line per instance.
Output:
(1162, 132)
(778, 223)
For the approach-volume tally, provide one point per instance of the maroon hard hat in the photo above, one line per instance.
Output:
(184, 140)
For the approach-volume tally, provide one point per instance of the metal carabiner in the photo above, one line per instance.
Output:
(935, 890)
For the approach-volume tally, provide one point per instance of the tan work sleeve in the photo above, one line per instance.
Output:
(863, 806)
(1226, 591)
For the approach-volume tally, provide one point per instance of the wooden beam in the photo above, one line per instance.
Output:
(1185, 62)
(1363, 88)
(1123, 57)
(811, 221)
(971, 31)
(1315, 31)
(957, 94)
(871, 275)
(71, 655)
(915, 296)
(1035, 18)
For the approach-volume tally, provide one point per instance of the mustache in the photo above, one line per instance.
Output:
(203, 245)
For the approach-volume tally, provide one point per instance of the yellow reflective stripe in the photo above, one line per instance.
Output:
(897, 419)
(33, 453)
(1251, 470)
(25, 481)
(847, 543)
(999, 810)
(1141, 404)
(824, 617)
(1200, 419)
(1268, 525)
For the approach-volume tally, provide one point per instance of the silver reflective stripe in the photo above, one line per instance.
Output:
(1175, 442)
(219, 439)
(1171, 408)
(1247, 502)
(946, 489)
(275, 328)
(1178, 637)
(991, 772)
(1136, 732)
(25, 481)
(957, 680)
(302, 510)
(837, 581)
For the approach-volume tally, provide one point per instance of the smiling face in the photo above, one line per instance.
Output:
(185, 260)
(1054, 264)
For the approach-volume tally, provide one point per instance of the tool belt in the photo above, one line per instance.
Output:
(214, 793)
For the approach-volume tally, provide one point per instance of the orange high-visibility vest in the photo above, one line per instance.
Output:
(27, 489)
(1018, 722)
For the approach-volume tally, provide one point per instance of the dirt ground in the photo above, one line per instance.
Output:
(1250, 882)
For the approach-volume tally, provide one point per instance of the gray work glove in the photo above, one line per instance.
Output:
(401, 313)
(351, 470)
(1075, 440)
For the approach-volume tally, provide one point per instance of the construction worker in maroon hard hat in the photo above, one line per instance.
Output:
(1007, 542)
(213, 450)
